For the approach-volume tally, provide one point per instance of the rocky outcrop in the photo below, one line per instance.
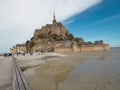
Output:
(48, 35)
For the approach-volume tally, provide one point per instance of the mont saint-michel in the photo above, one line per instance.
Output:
(59, 45)
(56, 38)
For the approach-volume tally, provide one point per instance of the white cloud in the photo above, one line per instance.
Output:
(68, 22)
(114, 17)
(19, 18)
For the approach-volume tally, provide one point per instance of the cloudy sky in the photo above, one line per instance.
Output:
(90, 19)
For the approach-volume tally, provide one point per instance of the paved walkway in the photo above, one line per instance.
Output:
(6, 74)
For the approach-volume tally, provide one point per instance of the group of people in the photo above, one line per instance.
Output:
(31, 53)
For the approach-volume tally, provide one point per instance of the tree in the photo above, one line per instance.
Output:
(29, 49)
(43, 36)
(79, 40)
(32, 44)
(32, 38)
(27, 41)
(70, 37)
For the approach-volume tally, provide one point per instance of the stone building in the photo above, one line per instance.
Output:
(19, 48)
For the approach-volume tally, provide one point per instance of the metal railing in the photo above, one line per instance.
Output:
(19, 81)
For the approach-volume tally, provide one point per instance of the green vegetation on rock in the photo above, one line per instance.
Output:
(32, 44)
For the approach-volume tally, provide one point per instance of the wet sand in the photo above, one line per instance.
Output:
(5, 73)
(98, 70)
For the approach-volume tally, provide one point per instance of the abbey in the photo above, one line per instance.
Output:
(54, 28)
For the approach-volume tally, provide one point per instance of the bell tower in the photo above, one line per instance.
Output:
(54, 20)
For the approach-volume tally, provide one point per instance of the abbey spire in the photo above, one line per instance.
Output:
(54, 16)
(54, 19)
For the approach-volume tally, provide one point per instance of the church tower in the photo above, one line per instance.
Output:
(54, 20)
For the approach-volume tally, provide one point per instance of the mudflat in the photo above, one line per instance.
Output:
(99, 70)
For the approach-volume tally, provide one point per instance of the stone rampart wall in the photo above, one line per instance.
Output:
(84, 48)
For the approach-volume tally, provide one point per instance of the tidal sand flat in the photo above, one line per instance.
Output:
(5, 73)
(99, 70)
